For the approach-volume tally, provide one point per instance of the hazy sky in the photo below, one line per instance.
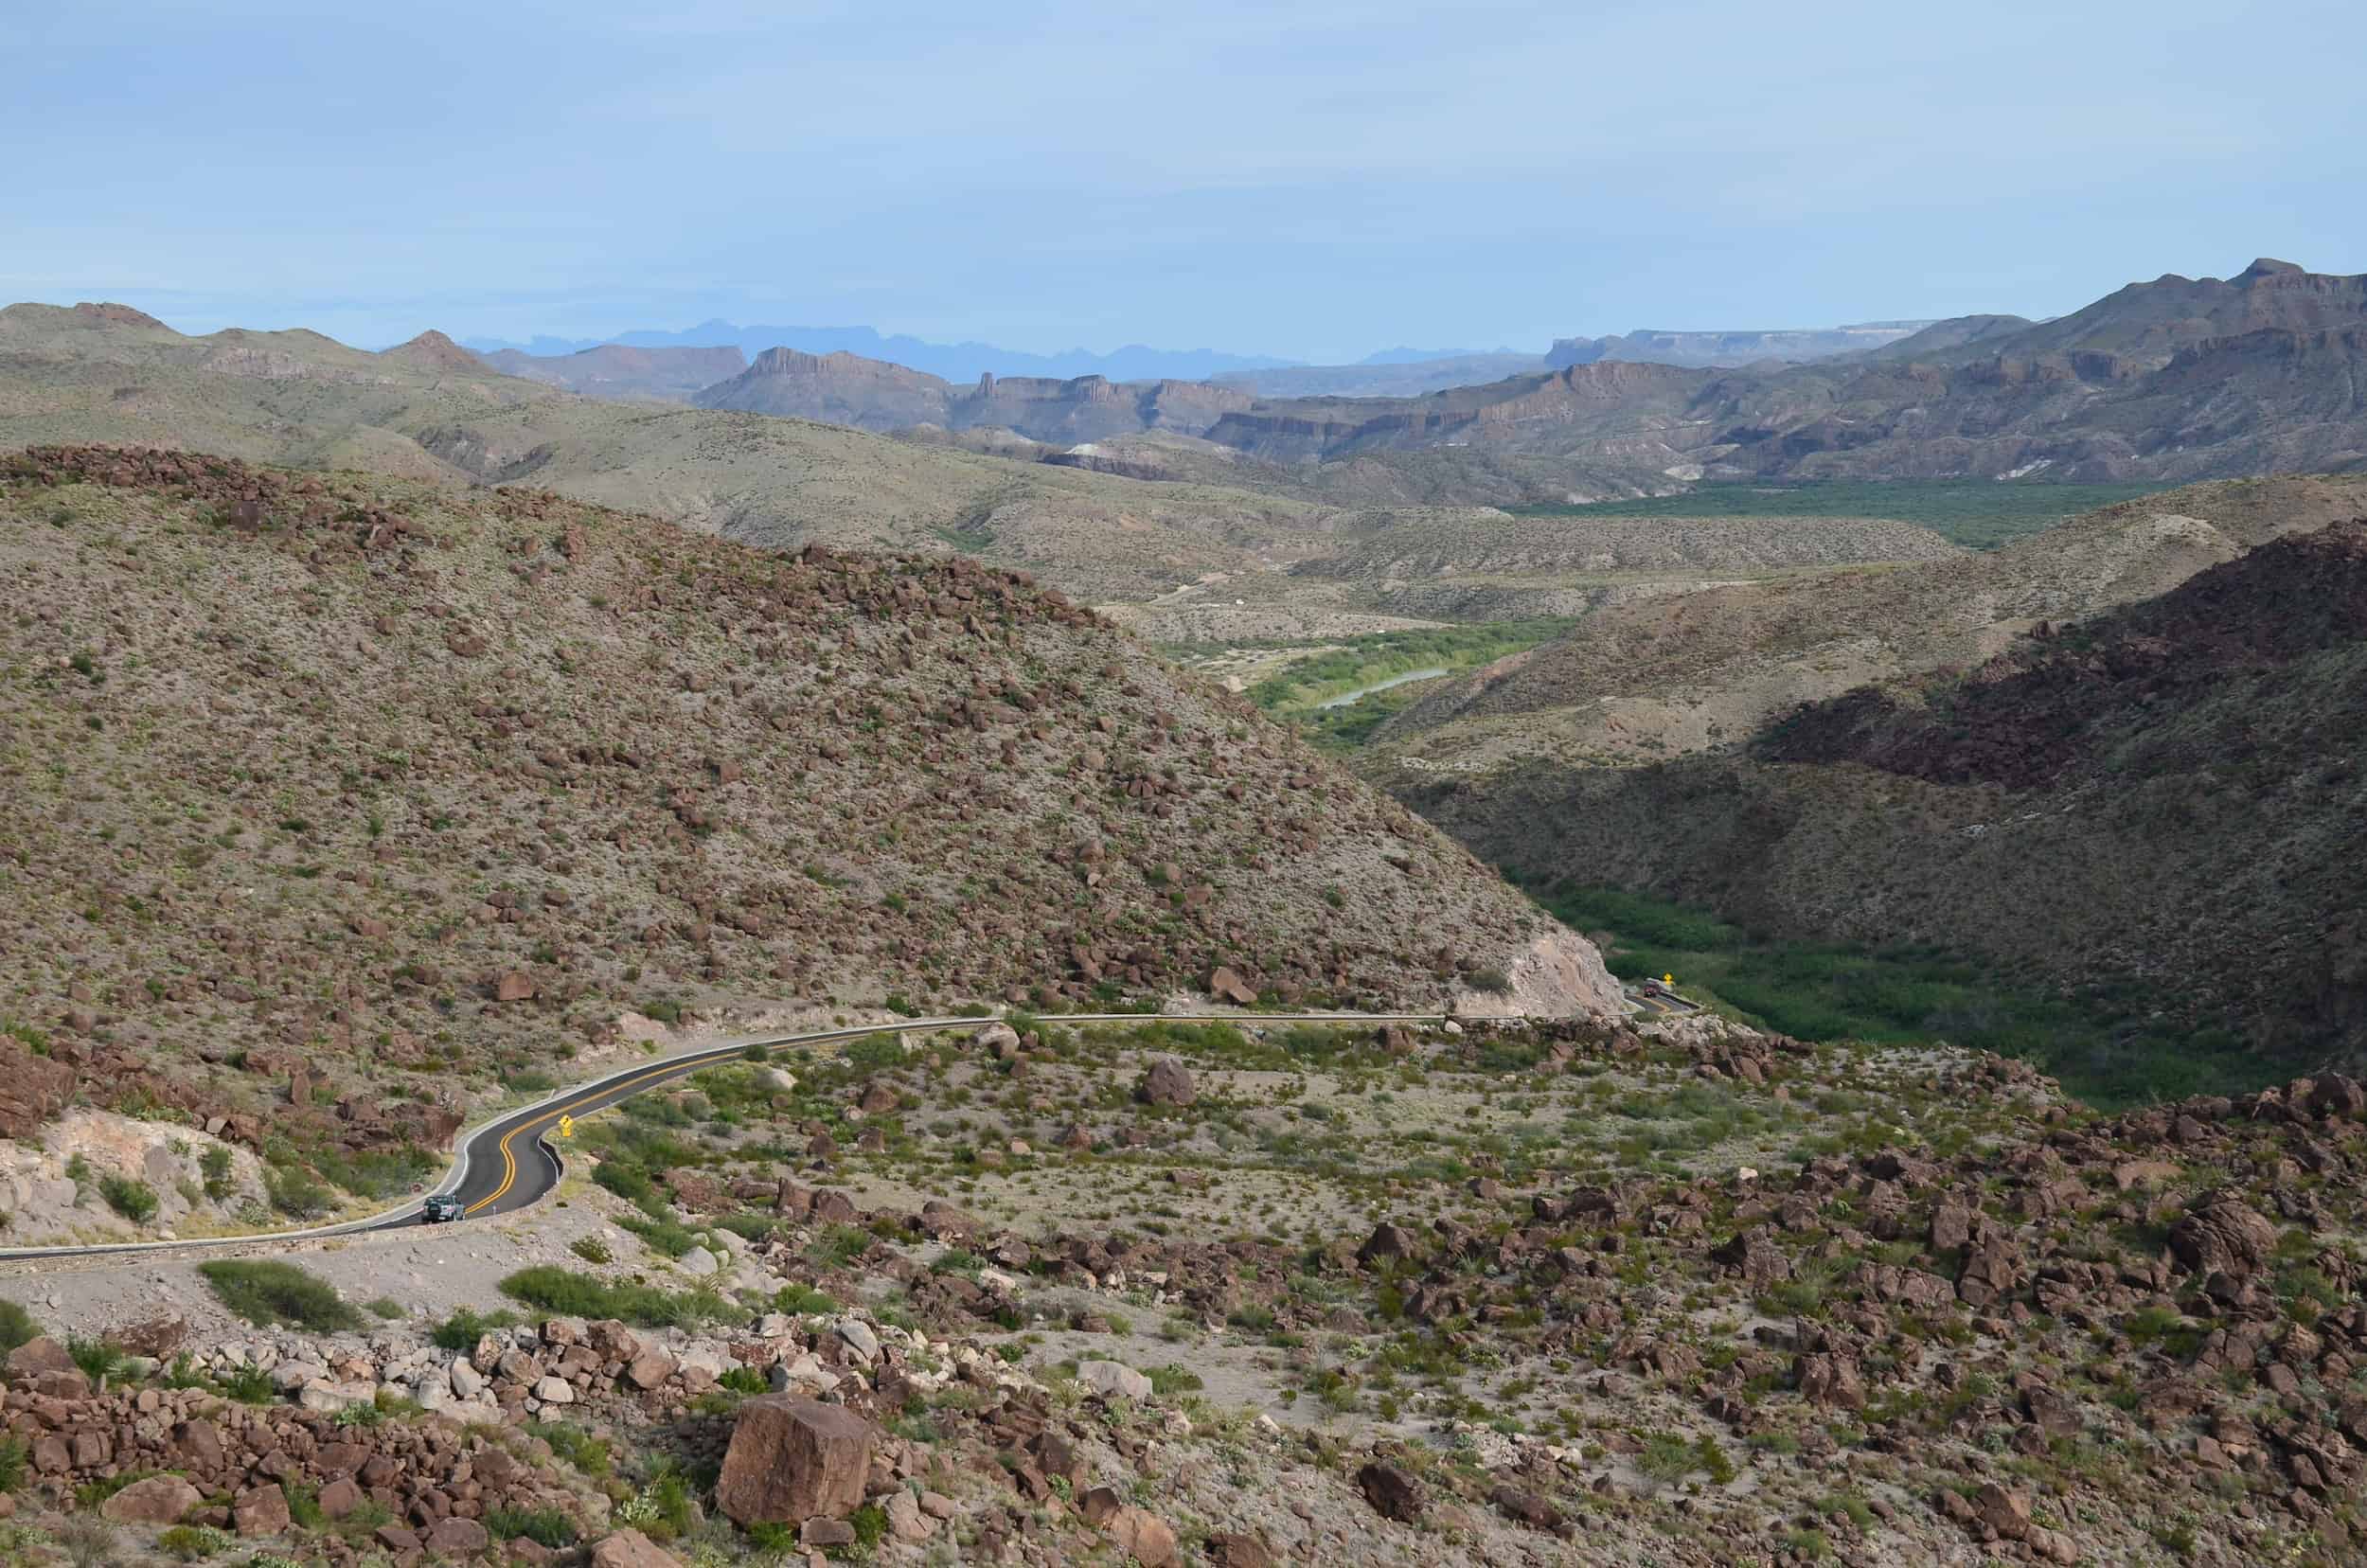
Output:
(1311, 179)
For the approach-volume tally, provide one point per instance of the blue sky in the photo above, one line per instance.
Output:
(1315, 180)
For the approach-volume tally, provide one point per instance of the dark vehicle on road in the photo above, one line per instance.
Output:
(441, 1209)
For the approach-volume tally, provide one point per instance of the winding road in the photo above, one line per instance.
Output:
(508, 1163)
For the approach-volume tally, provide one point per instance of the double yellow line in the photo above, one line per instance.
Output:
(509, 1156)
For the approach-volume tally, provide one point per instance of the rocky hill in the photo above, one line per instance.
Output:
(1706, 350)
(616, 370)
(2178, 379)
(339, 799)
(1652, 680)
(102, 373)
(2165, 798)
(843, 388)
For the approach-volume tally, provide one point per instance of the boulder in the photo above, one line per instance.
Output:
(2006, 1511)
(793, 1460)
(38, 1355)
(631, 1549)
(1231, 1549)
(2221, 1233)
(1392, 1492)
(1225, 986)
(997, 1038)
(1143, 1536)
(158, 1500)
(1168, 1082)
(261, 1511)
(456, 1537)
(514, 986)
(1113, 1380)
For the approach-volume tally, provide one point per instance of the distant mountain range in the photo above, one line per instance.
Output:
(958, 362)
(1399, 371)
(1791, 344)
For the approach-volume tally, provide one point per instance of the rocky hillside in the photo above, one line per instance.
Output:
(2179, 379)
(616, 370)
(354, 795)
(2165, 798)
(1704, 349)
(1647, 680)
(872, 395)
(430, 410)
(1678, 1295)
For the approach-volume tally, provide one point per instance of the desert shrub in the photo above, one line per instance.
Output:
(135, 1201)
(295, 1193)
(215, 1165)
(250, 1385)
(565, 1293)
(587, 1454)
(273, 1294)
(592, 1250)
(461, 1331)
(16, 1325)
(14, 1453)
(1173, 1380)
(545, 1527)
(99, 1360)
(88, 1541)
(194, 1543)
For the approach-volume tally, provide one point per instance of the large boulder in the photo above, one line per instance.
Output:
(1114, 1380)
(1168, 1082)
(631, 1549)
(261, 1511)
(38, 1355)
(2222, 1234)
(1392, 1492)
(793, 1460)
(158, 1500)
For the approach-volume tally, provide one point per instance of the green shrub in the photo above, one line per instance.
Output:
(386, 1307)
(14, 1452)
(592, 1250)
(135, 1201)
(273, 1294)
(576, 1446)
(215, 1165)
(250, 1385)
(99, 1360)
(194, 1543)
(544, 1526)
(1171, 1380)
(461, 1331)
(565, 1293)
(296, 1194)
(744, 1379)
(16, 1327)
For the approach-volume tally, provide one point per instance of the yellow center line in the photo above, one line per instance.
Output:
(510, 1158)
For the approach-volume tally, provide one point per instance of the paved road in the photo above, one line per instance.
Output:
(508, 1163)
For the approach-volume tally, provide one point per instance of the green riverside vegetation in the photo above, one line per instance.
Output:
(1980, 514)
(2105, 1049)
(1297, 693)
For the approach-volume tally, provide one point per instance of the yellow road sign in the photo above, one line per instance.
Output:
(1668, 979)
(567, 1127)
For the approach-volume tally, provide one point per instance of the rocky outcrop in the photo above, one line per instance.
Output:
(793, 1460)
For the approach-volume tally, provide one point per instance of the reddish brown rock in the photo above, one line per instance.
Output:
(1392, 1492)
(792, 1459)
(631, 1549)
(261, 1511)
(1168, 1082)
(158, 1500)
(2222, 1234)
